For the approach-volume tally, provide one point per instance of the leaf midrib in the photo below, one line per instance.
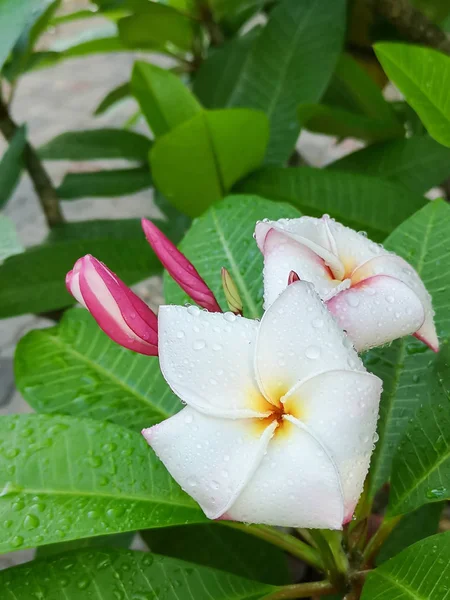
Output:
(96, 367)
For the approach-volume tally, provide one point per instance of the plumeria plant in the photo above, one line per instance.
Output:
(279, 426)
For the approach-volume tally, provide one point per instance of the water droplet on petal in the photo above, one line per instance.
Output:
(312, 352)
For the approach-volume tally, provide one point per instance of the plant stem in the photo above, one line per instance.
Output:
(303, 590)
(285, 541)
(335, 560)
(378, 540)
(413, 24)
(41, 181)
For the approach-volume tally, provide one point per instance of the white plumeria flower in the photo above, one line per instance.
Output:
(375, 295)
(280, 417)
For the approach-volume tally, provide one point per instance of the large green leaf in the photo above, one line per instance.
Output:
(363, 202)
(75, 369)
(197, 163)
(421, 466)
(216, 78)
(14, 17)
(164, 100)
(122, 574)
(421, 572)
(424, 241)
(159, 25)
(34, 280)
(9, 242)
(290, 63)
(112, 182)
(64, 478)
(414, 527)
(423, 75)
(419, 163)
(222, 237)
(93, 144)
(11, 165)
(221, 548)
(119, 540)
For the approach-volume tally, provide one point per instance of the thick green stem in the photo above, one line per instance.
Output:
(285, 541)
(335, 560)
(378, 540)
(41, 181)
(303, 590)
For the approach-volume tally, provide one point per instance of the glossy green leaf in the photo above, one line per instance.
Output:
(9, 242)
(119, 540)
(232, 14)
(113, 182)
(93, 144)
(221, 548)
(11, 165)
(421, 465)
(114, 574)
(34, 281)
(421, 572)
(414, 527)
(419, 163)
(164, 100)
(64, 478)
(290, 63)
(406, 366)
(216, 78)
(116, 95)
(197, 163)
(368, 203)
(14, 17)
(75, 369)
(321, 118)
(158, 25)
(423, 76)
(222, 237)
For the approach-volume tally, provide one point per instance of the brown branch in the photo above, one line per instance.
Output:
(413, 24)
(41, 181)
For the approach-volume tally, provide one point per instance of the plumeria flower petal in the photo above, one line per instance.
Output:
(375, 295)
(180, 268)
(280, 416)
(122, 315)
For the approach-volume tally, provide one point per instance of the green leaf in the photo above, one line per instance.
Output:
(33, 281)
(362, 202)
(9, 242)
(421, 465)
(419, 163)
(221, 548)
(422, 75)
(75, 369)
(321, 118)
(197, 163)
(290, 63)
(14, 17)
(160, 25)
(216, 78)
(114, 574)
(405, 366)
(420, 572)
(116, 95)
(120, 540)
(11, 165)
(414, 527)
(93, 144)
(36, 25)
(73, 16)
(353, 90)
(222, 237)
(114, 182)
(65, 478)
(164, 100)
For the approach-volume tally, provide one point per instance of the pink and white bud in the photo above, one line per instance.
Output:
(293, 277)
(231, 291)
(122, 315)
(180, 268)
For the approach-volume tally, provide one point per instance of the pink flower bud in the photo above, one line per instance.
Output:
(179, 268)
(122, 315)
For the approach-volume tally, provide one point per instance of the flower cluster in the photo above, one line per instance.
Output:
(280, 414)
